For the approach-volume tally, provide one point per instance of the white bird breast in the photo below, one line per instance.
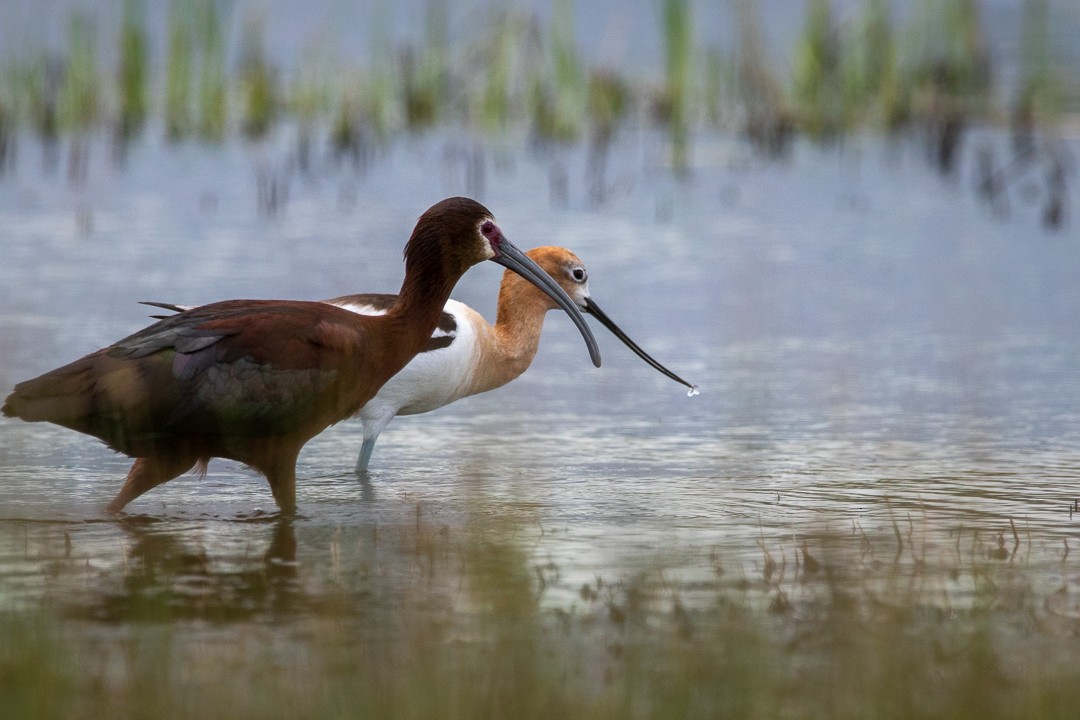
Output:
(433, 378)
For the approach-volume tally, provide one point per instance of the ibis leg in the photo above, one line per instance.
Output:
(147, 473)
(282, 479)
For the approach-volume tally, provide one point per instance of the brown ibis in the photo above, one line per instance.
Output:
(254, 380)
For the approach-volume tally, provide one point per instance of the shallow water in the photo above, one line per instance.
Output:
(878, 352)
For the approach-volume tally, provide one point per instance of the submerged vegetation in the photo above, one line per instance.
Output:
(422, 621)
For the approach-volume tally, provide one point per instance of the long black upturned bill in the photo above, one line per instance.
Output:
(593, 309)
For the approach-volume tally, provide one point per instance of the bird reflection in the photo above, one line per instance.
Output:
(171, 575)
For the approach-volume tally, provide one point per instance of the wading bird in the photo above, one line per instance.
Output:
(466, 355)
(254, 380)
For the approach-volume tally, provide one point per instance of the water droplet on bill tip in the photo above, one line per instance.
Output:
(693, 391)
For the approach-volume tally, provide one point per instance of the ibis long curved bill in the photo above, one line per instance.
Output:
(511, 257)
(593, 309)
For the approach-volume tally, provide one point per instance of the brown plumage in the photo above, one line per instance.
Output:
(254, 380)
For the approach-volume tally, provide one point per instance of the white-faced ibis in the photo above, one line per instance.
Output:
(254, 380)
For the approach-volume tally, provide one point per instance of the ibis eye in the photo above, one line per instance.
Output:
(488, 228)
(579, 274)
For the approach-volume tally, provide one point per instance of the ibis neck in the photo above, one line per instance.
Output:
(420, 303)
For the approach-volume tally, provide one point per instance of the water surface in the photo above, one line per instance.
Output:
(880, 355)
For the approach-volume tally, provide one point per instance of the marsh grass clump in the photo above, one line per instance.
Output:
(7, 141)
(678, 53)
(179, 70)
(80, 87)
(79, 101)
(608, 102)
(609, 99)
(212, 95)
(420, 88)
(845, 73)
(767, 117)
(1039, 93)
(1038, 159)
(871, 88)
(309, 99)
(346, 136)
(195, 76)
(38, 83)
(816, 75)
(258, 81)
(718, 89)
(132, 72)
(359, 117)
(557, 98)
(498, 52)
(948, 70)
(9, 118)
(424, 70)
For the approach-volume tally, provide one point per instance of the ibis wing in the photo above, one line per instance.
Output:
(361, 304)
(267, 368)
(238, 368)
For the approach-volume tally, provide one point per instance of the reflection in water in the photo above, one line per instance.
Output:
(173, 570)
(167, 577)
(421, 619)
(501, 558)
(149, 569)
